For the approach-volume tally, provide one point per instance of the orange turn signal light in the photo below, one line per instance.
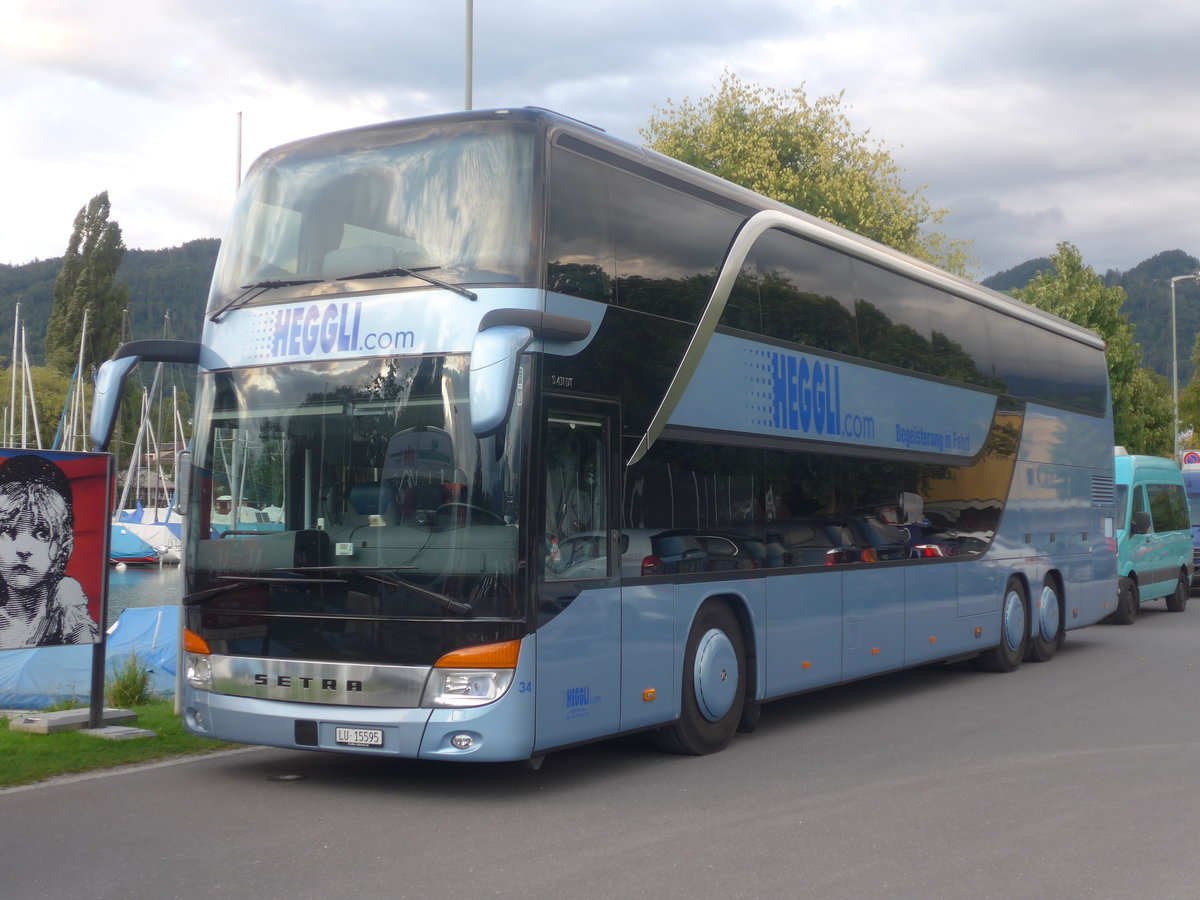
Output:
(193, 643)
(486, 656)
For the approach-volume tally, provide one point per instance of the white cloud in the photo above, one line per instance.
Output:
(1031, 122)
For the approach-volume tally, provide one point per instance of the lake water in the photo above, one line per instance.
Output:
(137, 586)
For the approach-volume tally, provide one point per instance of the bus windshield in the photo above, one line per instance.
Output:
(352, 204)
(357, 485)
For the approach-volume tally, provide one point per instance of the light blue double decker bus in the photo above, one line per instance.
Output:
(533, 437)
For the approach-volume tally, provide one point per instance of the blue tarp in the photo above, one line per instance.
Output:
(125, 546)
(37, 678)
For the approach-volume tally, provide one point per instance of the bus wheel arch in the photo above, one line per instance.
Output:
(1006, 656)
(713, 692)
(1048, 620)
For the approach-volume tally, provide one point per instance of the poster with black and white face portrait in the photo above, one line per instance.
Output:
(53, 547)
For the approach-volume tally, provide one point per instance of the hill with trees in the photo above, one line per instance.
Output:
(174, 280)
(1147, 306)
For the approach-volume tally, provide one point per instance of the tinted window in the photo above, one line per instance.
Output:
(1084, 376)
(893, 318)
(804, 290)
(792, 508)
(619, 237)
(959, 338)
(579, 243)
(1010, 358)
(1168, 507)
(669, 247)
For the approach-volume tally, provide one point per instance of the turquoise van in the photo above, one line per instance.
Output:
(1154, 535)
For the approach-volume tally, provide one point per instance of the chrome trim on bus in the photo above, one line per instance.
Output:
(751, 230)
(306, 681)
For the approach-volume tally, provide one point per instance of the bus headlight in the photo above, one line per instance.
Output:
(472, 676)
(467, 687)
(199, 671)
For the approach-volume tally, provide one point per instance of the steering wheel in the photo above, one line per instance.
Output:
(468, 514)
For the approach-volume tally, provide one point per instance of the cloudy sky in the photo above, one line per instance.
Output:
(1031, 121)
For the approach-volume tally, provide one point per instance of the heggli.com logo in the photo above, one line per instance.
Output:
(806, 397)
(330, 329)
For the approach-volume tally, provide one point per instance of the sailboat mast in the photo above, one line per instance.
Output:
(12, 371)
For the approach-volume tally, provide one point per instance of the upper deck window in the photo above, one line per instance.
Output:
(453, 200)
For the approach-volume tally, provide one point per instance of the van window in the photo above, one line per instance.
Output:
(1122, 503)
(1139, 501)
(1168, 507)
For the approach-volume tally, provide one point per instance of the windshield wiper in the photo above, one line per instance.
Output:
(259, 287)
(417, 272)
(376, 572)
(234, 584)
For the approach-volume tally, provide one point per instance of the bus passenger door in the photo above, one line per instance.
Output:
(579, 609)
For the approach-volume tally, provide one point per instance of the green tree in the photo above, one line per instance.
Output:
(807, 155)
(87, 281)
(1142, 408)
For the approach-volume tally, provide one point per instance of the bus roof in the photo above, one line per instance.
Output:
(556, 125)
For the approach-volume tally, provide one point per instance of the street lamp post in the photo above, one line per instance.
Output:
(1175, 357)
(470, 75)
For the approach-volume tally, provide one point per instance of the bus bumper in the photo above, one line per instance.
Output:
(501, 731)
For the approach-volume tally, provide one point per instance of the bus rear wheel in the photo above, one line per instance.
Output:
(713, 690)
(1177, 602)
(1048, 624)
(1014, 631)
(1128, 602)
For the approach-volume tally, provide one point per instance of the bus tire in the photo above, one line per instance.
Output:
(713, 692)
(1177, 602)
(1047, 625)
(1128, 602)
(751, 713)
(1014, 631)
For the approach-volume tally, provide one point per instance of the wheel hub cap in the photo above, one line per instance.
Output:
(715, 675)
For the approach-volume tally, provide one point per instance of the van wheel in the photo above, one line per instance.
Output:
(1014, 631)
(713, 690)
(1128, 602)
(1048, 621)
(1177, 602)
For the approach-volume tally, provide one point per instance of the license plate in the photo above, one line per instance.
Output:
(359, 737)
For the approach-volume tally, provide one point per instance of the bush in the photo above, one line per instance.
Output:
(129, 684)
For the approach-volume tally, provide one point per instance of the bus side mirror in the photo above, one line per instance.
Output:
(1140, 523)
(111, 379)
(106, 398)
(493, 375)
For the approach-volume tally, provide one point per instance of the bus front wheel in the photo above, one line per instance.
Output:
(1014, 631)
(713, 690)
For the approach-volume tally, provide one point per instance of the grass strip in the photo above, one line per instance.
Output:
(27, 758)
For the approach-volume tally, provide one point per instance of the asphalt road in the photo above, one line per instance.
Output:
(1068, 779)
